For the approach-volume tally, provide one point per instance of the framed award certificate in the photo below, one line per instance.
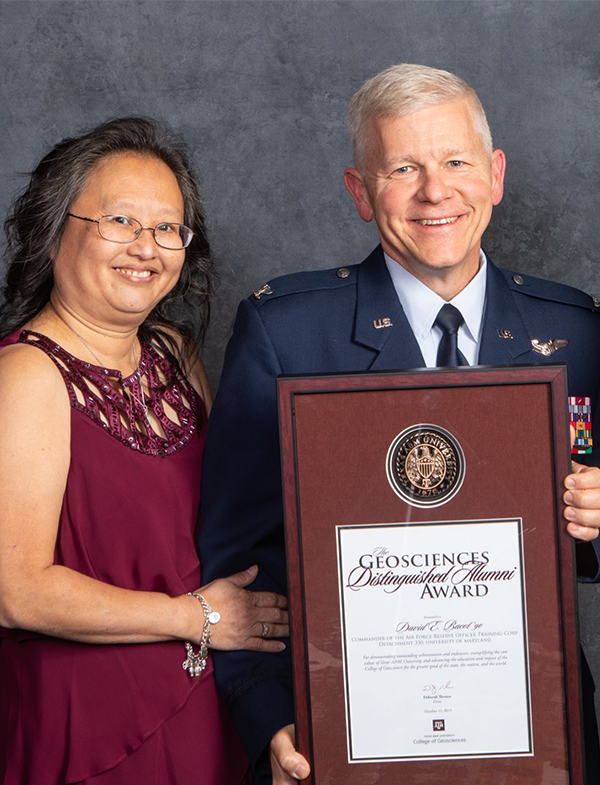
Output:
(431, 578)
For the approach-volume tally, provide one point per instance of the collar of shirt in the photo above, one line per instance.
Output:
(421, 306)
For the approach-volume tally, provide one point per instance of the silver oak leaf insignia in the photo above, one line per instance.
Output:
(551, 346)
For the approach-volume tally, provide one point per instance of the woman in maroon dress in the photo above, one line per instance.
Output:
(105, 676)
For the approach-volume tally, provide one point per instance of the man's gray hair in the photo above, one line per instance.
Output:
(403, 89)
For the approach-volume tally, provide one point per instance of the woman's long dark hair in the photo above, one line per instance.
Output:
(37, 218)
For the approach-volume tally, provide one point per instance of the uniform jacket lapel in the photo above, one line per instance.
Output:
(380, 320)
(504, 337)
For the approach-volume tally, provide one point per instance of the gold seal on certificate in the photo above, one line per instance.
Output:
(425, 465)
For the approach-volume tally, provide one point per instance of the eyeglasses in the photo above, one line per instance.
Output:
(122, 229)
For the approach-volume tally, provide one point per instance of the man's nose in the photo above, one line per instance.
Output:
(433, 186)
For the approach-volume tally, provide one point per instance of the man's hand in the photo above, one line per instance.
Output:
(583, 497)
(287, 765)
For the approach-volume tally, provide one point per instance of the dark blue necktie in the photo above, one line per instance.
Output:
(449, 319)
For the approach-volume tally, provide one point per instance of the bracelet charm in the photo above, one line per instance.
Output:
(195, 662)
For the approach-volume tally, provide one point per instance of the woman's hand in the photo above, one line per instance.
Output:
(248, 618)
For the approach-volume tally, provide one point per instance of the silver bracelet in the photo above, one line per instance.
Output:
(213, 616)
(195, 663)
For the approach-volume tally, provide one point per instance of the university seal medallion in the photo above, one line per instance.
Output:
(425, 465)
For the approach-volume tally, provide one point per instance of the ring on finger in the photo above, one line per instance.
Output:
(265, 630)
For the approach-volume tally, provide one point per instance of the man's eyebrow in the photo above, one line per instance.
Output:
(397, 158)
(455, 152)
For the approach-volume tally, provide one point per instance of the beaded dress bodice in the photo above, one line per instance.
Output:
(116, 403)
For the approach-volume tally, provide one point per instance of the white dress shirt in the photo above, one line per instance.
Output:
(421, 306)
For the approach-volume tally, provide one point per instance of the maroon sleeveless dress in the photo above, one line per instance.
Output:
(119, 714)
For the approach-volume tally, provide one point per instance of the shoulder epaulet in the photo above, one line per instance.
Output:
(550, 290)
(307, 281)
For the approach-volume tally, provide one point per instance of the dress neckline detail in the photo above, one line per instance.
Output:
(113, 401)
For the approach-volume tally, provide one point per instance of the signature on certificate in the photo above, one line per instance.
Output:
(434, 689)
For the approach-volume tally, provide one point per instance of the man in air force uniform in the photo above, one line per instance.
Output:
(426, 172)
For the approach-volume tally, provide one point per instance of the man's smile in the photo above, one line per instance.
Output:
(436, 221)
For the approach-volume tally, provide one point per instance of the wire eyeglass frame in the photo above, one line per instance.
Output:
(184, 233)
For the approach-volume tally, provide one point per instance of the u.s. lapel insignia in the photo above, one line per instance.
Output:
(580, 417)
(551, 346)
(266, 289)
(385, 322)
(504, 333)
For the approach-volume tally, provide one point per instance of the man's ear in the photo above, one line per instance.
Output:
(355, 183)
(498, 170)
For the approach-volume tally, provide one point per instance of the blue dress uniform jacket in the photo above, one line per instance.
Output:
(341, 320)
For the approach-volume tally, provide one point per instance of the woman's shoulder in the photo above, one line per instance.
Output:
(19, 353)
(35, 414)
(28, 373)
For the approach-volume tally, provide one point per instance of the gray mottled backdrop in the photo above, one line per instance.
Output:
(260, 89)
